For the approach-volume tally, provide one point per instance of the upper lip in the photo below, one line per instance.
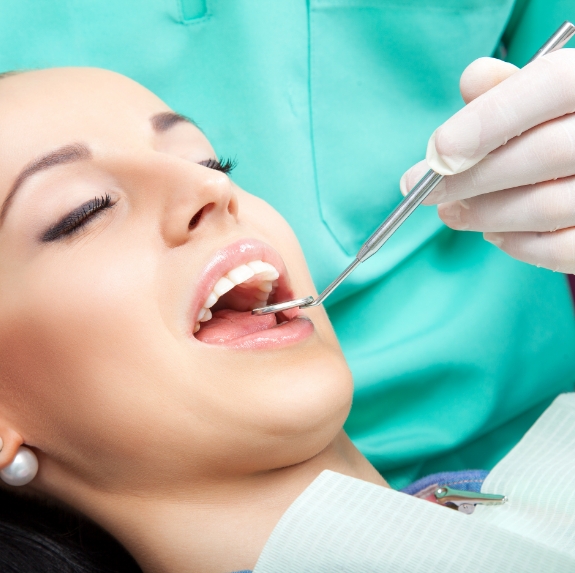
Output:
(230, 257)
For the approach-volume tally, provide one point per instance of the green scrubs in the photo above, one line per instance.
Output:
(455, 347)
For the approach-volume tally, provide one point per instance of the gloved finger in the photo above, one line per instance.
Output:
(483, 74)
(479, 76)
(555, 251)
(543, 207)
(541, 91)
(543, 153)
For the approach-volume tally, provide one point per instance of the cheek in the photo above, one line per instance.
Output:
(92, 302)
(79, 327)
(259, 215)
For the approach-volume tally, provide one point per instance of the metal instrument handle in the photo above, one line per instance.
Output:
(411, 201)
(563, 34)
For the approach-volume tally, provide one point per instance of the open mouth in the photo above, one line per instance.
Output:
(225, 317)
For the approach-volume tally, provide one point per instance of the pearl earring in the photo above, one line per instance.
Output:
(23, 468)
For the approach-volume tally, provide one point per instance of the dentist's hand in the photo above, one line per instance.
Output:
(510, 155)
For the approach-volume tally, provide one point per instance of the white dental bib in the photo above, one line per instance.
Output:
(347, 525)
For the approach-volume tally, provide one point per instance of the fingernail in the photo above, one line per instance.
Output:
(495, 238)
(458, 149)
(450, 214)
(403, 184)
(1, 444)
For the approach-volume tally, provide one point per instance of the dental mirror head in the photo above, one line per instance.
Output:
(273, 308)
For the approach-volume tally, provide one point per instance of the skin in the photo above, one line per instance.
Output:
(188, 453)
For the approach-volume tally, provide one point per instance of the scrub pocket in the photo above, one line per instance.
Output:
(192, 10)
(383, 76)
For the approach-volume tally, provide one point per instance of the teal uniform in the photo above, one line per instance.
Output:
(455, 347)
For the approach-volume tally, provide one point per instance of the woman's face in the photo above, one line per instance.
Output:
(112, 237)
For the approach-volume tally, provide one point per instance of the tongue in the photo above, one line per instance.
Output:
(228, 324)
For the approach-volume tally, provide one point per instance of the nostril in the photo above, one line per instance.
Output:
(195, 219)
(233, 206)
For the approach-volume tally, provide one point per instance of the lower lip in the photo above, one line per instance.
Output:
(291, 332)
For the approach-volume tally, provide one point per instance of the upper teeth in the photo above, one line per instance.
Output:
(265, 273)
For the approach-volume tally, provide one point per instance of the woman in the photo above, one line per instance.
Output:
(332, 100)
(118, 226)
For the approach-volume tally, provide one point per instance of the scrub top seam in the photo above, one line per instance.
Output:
(311, 133)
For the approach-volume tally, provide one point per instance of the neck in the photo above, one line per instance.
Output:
(222, 528)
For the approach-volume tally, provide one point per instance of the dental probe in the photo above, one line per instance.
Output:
(411, 201)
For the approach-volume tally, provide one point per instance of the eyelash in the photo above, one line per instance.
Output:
(75, 220)
(224, 165)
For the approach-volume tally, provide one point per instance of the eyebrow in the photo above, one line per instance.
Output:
(62, 155)
(78, 152)
(163, 121)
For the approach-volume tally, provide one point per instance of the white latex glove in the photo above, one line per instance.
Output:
(520, 126)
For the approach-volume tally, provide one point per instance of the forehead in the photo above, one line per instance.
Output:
(45, 106)
(46, 109)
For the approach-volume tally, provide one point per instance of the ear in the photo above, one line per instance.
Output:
(10, 441)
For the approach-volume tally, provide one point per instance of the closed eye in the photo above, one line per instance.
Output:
(76, 219)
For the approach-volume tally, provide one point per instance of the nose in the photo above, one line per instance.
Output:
(197, 198)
